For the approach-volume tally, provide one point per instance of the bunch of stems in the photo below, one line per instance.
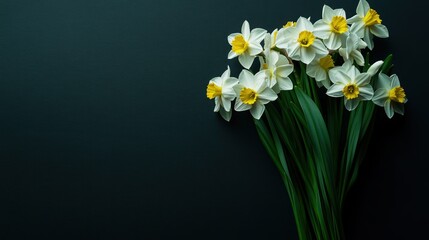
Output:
(317, 147)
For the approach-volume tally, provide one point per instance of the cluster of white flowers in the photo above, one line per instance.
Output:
(314, 45)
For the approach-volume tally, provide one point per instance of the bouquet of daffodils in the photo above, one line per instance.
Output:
(308, 73)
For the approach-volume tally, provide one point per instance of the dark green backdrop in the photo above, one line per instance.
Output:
(106, 133)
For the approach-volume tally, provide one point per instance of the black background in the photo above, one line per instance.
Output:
(106, 133)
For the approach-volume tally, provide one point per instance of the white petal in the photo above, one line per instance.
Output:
(321, 29)
(352, 42)
(380, 96)
(327, 13)
(312, 68)
(226, 104)
(398, 107)
(240, 106)
(362, 8)
(373, 69)
(354, 19)
(254, 49)
(388, 108)
(226, 74)
(336, 90)
(326, 83)
(283, 61)
(268, 94)
(246, 60)
(229, 82)
(338, 76)
(366, 92)
(380, 31)
(246, 79)
(321, 75)
(362, 79)
(260, 81)
(319, 48)
(356, 55)
(245, 30)
(283, 38)
(353, 72)
(284, 70)
(231, 54)
(343, 53)
(257, 35)
(285, 84)
(293, 50)
(216, 80)
(257, 110)
(231, 37)
(272, 58)
(217, 104)
(358, 28)
(307, 55)
(226, 115)
(383, 81)
(302, 23)
(368, 39)
(333, 42)
(340, 12)
(395, 81)
(228, 93)
(351, 104)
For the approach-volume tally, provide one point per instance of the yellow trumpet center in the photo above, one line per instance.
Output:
(351, 91)
(289, 24)
(339, 25)
(371, 18)
(213, 90)
(327, 62)
(248, 96)
(239, 45)
(306, 38)
(397, 94)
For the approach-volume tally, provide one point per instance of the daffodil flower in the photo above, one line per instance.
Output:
(246, 45)
(253, 93)
(332, 28)
(351, 52)
(276, 67)
(300, 42)
(350, 84)
(319, 68)
(221, 90)
(367, 23)
(390, 94)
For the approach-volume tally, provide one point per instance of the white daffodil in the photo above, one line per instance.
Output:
(246, 45)
(276, 67)
(367, 23)
(319, 68)
(300, 42)
(352, 50)
(350, 84)
(221, 89)
(332, 28)
(390, 94)
(253, 93)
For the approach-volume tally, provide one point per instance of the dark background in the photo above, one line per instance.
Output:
(106, 133)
